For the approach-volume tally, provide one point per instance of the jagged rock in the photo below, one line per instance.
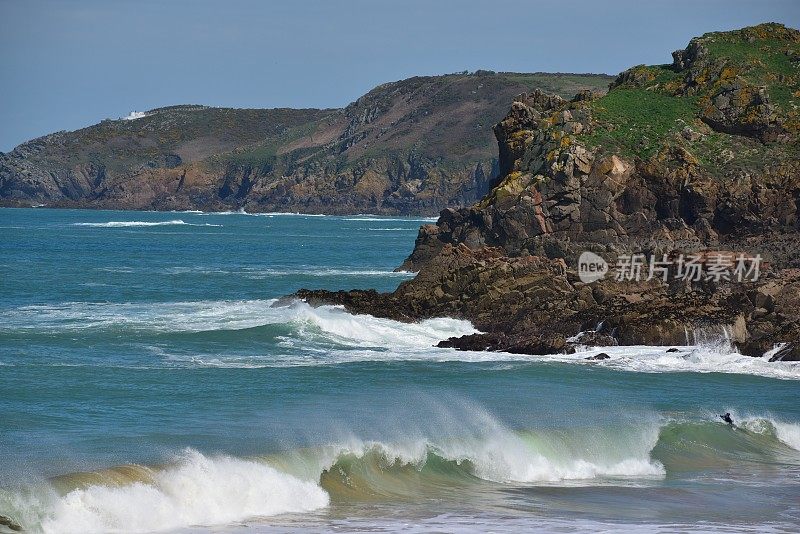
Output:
(790, 352)
(598, 356)
(560, 193)
(741, 109)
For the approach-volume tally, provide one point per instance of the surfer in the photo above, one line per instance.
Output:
(727, 418)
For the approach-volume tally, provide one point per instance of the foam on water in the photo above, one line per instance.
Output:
(407, 219)
(196, 489)
(786, 433)
(134, 224)
(694, 359)
(205, 316)
(368, 338)
(450, 445)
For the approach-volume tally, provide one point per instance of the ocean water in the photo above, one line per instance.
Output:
(148, 383)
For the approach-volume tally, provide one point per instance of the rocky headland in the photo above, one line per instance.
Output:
(414, 146)
(697, 157)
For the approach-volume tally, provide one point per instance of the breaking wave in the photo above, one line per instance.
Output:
(194, 490)
(197, 489)
(133, 224)
(227, 315)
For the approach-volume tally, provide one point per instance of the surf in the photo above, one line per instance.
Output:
(199, 489)
(135, 224)
(451, 448)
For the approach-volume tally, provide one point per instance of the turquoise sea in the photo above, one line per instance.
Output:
(148, 383)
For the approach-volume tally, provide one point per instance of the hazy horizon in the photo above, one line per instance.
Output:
(89, 60)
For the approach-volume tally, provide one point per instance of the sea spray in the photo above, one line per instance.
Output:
(196, 490)
(461, 445)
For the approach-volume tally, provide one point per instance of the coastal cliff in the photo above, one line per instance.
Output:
(414, 146)
(700, 156)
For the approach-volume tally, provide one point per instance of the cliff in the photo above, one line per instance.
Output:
(696, 157)
(702, 152)
(408, 147)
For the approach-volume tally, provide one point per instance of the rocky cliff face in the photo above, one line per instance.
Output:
(700, 153)
(698, 156)
(413, 147)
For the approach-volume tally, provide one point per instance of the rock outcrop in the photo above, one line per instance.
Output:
(699, 157)
(408, 147)
(693, 155)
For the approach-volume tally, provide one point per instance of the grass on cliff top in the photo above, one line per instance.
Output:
(640, 116)
(635, 121)
(564, 85)
(766, 61)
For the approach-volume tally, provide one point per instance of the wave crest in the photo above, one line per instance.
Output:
(196, 490)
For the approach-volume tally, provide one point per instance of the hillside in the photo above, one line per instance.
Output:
(410, 147)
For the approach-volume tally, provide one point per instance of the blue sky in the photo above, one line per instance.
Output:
(70, 63)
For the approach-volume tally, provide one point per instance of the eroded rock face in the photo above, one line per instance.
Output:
(738, 108)
(573, 180)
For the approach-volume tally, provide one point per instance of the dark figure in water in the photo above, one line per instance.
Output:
(727, 418)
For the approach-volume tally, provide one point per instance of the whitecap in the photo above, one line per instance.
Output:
(133, 224)
(196, 490)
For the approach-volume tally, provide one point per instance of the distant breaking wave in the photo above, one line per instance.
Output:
(125, 224)
(396, 219)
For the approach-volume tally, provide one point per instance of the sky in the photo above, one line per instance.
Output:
(66, 64)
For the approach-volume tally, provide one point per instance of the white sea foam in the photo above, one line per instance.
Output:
(197, 490)
(203, 316)
(315, 272)
(126, 224)
(695, 359)
(392, 219)
(242, 211)
(788, 433)
(360, 337)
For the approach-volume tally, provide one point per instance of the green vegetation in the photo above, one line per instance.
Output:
(649, 106)
(636, 121)
(564, 85)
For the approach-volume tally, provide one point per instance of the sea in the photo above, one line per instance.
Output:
(151, 381)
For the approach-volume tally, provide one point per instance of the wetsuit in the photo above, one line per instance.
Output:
(727, 418)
